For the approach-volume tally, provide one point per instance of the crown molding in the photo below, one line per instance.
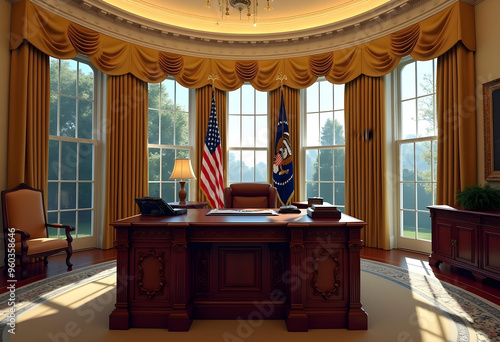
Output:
(101, 17)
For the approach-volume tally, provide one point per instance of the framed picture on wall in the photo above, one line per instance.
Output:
(491, 104)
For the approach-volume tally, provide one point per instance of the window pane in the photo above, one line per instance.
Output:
(247, 94)
(424, 226)
(154, 164)
(153, 126)
(53, 160)
(154, 95)
(261, 106)
(168, 192)
(54, 74)
(167, 127)
(312, 189)
(233, 138)
(326, 191)
(339, 128)
(312, 98)
(312, 164)
(426, 116)
(326, 96)
(408, 195)
(68, 77)
(67, 122)
(326, 165)
(408, 119)
(408, 221)
(69, 218)
(234, 102)
(85, 82)
(339, 194)
(154, 189)
(182, 98)
(326, 121)
(247, 125)
(68, 195)
(53, 218)
(247, 158)
(408, 81)
(85, 164)
(261, 132)
(424, 160)
(339, 164)
(167, 163)
(424, 195)
(407, 162)
(425, 79)
(261, 166)
(69, 159)
(434, 160)
(181, 129)
(84, 195)
(182, 154)
(338, 99)
(85, 114)
(53, 196)
(234, 167)
(53, 114)
(312, 129)
(167, 95)
(85, 223)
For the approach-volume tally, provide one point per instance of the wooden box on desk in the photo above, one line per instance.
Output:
(324, 211)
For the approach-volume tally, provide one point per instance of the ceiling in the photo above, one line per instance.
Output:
(285, 16)
(292, 28)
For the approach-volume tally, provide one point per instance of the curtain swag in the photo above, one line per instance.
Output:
(60, 38)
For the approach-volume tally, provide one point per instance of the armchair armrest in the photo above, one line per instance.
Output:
(67, 229)
(24, 236)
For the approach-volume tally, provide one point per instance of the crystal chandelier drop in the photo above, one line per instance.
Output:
(247, 7)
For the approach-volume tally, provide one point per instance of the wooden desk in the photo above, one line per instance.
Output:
(189, 205)
(171, 270)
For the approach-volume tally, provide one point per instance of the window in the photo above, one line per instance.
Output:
(325, 143)
(168, 136)
(72, 142)
(247, 135)
(417, 147)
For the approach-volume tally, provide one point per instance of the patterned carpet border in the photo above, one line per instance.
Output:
(469, 312)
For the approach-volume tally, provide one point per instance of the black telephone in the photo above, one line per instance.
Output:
(289, 209)
(156, 206)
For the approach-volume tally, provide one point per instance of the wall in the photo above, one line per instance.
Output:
(487, 66)
(5, 9)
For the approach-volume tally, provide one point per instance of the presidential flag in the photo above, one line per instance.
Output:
(283, 166)
(211, 180)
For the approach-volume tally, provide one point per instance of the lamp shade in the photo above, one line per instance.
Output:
(182, 170)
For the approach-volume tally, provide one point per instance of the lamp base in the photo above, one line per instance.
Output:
(182, 193)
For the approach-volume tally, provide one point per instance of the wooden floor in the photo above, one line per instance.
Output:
(488, 289)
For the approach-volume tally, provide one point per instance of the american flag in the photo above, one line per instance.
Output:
(211, 180)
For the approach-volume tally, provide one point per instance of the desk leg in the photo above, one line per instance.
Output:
(119, 319)
(296, 318)
(182, 317)
(357, 317)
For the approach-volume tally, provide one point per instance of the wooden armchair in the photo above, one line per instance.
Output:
(250, 195)
(23, 210)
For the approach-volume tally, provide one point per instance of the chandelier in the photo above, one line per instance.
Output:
(247, 7)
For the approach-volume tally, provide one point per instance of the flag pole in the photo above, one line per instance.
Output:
(281, 77)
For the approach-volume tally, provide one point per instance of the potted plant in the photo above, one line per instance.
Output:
(479, 198)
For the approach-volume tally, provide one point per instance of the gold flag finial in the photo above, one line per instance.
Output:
(281, 77)
(213, 77)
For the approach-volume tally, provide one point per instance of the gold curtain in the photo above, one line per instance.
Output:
(456, 111)
(203, 108)
(29, 117)
(365, 182)
(58, 37)
(126, 153)
(291, 97)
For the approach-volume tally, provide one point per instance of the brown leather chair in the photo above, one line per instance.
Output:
(250, 195)
(25, 228)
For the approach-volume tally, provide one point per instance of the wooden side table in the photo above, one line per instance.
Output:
(189, 205)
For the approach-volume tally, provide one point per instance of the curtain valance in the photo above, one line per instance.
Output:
(61, 38)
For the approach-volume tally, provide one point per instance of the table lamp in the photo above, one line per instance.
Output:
(182, 170)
